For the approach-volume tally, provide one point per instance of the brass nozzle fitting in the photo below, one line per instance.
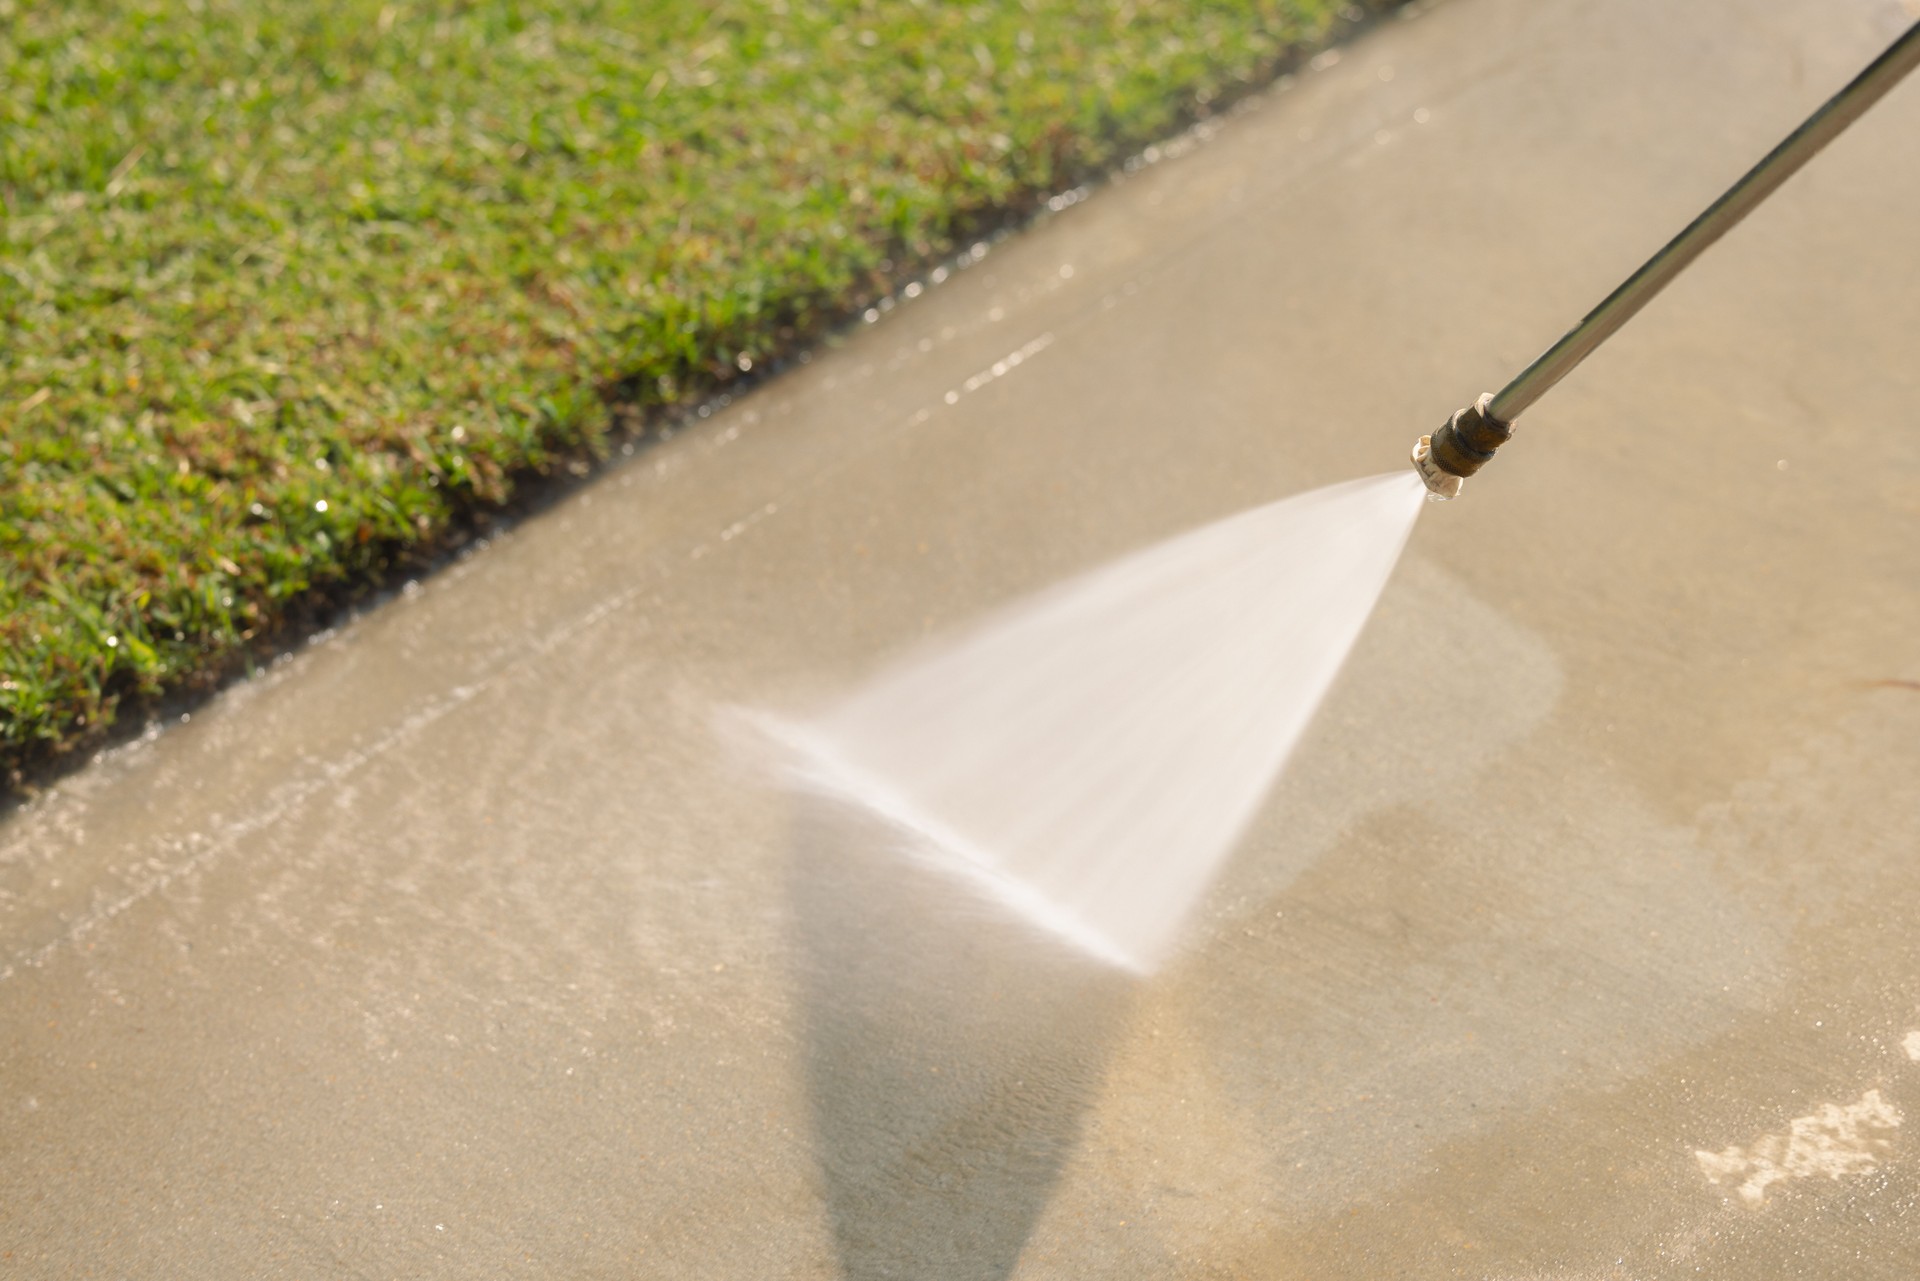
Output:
(1460, 448)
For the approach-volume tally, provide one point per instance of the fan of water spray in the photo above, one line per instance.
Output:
(1091, 755)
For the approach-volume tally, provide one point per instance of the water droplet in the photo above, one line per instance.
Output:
(744, 361)
(113, 642)
(1421, 115)
(953, 398)
(1066, 271)
(321, 505)
(872, 314)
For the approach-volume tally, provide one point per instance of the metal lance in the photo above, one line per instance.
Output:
(1466, 442)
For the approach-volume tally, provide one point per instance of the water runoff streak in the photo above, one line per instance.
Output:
(1091, 755)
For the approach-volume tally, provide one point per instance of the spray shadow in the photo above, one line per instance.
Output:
(951, 1052)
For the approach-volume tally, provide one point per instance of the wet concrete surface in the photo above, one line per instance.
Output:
(1579, 942)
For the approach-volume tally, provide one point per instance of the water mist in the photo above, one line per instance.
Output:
(1090, 756)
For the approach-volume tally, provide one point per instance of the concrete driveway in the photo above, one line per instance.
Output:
(1582, 940)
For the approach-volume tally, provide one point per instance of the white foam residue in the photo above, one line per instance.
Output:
(1835, 1141)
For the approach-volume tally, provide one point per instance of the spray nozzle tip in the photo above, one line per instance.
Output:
(1441, 485)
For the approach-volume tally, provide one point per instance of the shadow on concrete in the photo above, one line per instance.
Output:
(951, 1053)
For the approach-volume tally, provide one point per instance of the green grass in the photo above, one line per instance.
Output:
(288, 287)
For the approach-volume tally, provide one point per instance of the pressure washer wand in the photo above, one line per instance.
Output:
(1466, 441)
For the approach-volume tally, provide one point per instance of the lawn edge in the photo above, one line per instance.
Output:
(28, 769)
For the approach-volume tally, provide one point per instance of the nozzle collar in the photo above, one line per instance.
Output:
(1466, 442)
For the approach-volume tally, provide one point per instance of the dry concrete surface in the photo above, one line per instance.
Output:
(1581, 940)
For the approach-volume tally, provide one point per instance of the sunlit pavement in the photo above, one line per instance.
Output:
(1579, 942)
